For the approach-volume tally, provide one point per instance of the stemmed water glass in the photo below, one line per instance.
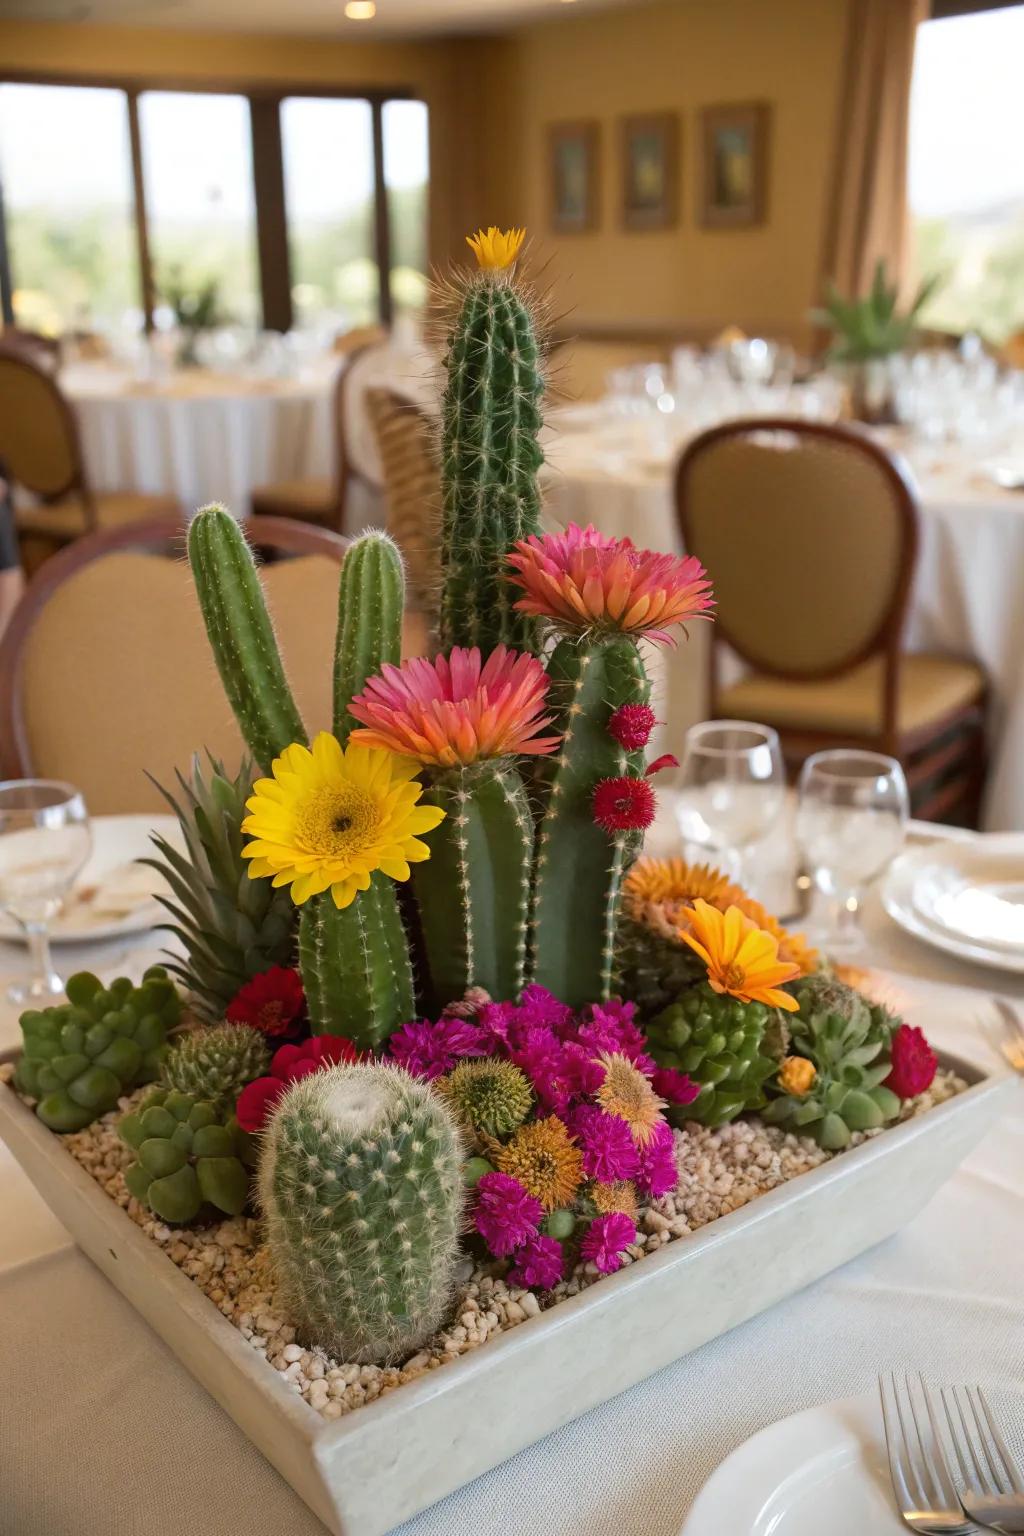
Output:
(44, 842)
(731, 789)
(851, 819)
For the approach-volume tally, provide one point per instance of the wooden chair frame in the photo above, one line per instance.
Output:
(15, 352)
(910, 747)
(278, 534)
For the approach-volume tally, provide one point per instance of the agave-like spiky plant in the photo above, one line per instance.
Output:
(871, 327)
(232, 927)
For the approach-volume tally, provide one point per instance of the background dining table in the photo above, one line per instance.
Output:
(968, 595)
(103, 1431)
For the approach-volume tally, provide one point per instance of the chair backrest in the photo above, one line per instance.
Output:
(809, 532)
(39, 445)
(106, 673)
(45, 350)
(358, 338)
(406, 439)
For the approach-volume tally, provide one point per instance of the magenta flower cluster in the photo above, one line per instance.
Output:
(563, 1054)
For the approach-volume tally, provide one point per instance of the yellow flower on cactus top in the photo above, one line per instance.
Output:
(741, 958)
(330, 817)
(496, 248)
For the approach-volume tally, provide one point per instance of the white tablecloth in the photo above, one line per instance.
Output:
(103, 1433)
(968, 597)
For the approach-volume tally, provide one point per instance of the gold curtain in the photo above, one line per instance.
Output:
(868, 214)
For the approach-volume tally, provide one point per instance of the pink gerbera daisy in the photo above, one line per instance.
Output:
(457, 708)
(585, 580)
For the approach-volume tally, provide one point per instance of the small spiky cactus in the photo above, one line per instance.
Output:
(653, 967)
(490, 1096)
(215, 1064)
(231, 928)
(371, 600)
(721, 1043)
(241, 635)
(580, 866)
(474, 890)
(361, 1185)
(490, 457)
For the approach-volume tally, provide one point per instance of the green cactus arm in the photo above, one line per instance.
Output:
(241, 635)
(474, 890)
(355, 965)
(491, 419)
(371, 596)
(580, 867)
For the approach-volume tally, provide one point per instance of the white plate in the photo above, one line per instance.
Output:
(112, 896)
(914, 887)
(819, 1473)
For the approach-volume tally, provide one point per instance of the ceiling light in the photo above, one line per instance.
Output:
(361, 10)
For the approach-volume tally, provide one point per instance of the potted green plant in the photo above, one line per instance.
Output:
(197, 308)
(867, 332)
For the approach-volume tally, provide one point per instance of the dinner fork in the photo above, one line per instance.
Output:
(921, 1481)
(994, 1489)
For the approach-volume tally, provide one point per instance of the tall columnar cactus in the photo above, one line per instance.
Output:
(474, 891)
(241, 634)
(361, 1185)
(355, 960)
(491, 416)
(580, 864)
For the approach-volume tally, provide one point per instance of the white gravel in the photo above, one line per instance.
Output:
(719, 1171)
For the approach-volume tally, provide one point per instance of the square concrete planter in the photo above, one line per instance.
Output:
(381, 1464)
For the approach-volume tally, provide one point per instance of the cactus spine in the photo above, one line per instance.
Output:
(355, 962)
(360, 1181)
(480, 858)
(580, 867)
(490, 457)
(241, 634)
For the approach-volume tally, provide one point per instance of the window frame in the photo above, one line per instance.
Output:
(264, 100)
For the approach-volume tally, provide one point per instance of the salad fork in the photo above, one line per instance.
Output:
(993, 1494)
(925, 1491)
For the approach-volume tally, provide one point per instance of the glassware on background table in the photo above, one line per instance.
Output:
(732, 788)
(44, 842)
(851, 819)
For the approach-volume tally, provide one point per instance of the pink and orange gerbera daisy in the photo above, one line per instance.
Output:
(456, 708)
(584, 580)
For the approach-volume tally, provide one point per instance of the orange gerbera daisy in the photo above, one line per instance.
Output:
(742, 959)
(793, 947)
(585, 580)
(457, 708)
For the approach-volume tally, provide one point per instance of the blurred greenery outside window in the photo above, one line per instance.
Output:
(966, 179)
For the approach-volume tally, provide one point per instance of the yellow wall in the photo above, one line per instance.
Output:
(431, 70)
(678, 55)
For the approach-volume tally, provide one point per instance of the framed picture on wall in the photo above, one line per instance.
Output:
(650, 171)
(734, 166)
(574, 173)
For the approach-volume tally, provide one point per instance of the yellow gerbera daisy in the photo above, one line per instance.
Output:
(496, 248)
(330, 817)
(741, 958)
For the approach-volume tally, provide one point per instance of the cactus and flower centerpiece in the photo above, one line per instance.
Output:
(451, 1036)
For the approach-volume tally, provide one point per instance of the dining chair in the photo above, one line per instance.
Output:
(105, 669)
(45, 350)
(811, 534)
(406, 444)
(41, 456)
(322, 498)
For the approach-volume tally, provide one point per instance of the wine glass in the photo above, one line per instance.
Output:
(44, 841)
(852, 810)
(731, 789)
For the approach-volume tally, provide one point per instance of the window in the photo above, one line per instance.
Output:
(966, 170)
(78, 251)
(200, 210)
(327, 151)
(65, 167)
(406, 175)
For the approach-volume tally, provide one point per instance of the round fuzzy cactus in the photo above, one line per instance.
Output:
(187, 1155)
(361, 1184)
(490, 1096)
(215, 1064)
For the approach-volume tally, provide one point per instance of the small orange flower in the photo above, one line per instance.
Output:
(619, 1196)
(742, 959)
(627, 1094)
(796, 1075)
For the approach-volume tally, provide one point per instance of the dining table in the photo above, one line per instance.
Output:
(104, 1433)
(616, 471)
